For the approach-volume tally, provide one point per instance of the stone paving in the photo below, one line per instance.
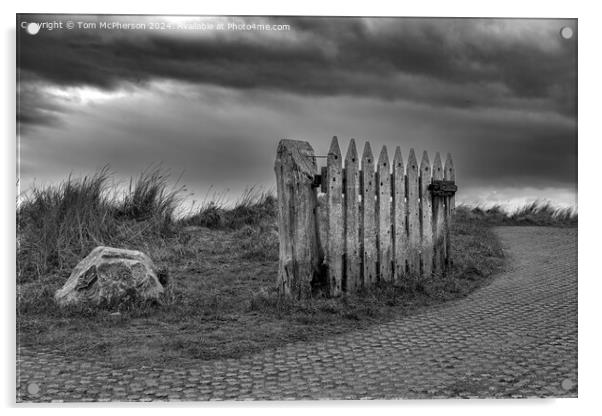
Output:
(516, 337)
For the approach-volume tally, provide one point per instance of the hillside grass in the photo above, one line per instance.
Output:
(222, 261)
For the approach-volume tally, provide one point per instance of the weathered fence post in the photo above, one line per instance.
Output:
(336, 226)
(300, 253)
(400, 237)
(352, 219)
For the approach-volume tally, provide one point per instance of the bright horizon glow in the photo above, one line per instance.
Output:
(83, 95)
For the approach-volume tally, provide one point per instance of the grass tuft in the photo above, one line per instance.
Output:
(253, 208)
(149, 199)
(59, 225)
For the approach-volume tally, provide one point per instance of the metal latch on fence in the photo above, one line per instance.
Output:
(442, 188)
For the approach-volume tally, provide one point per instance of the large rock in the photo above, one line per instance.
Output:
(109, 276)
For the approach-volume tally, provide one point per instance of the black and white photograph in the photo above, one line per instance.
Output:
(270, 208)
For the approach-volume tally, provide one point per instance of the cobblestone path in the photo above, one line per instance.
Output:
(516, 337)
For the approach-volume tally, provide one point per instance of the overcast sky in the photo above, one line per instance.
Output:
(499, 94)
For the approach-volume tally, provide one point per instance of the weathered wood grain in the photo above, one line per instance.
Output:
(426, 215)
(368, 217)
(336, 226)
(439, 234)
(413, 209)
(300, 254)
(352, 220)
(450, 175)
(384, 240)
(400, 236)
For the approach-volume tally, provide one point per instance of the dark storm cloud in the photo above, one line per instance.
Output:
(452, 62)
(500, 94)
(35, 106)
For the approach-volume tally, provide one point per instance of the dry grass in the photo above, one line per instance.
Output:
(58, 225)
(253, 208)
(536, 213)
(221, 301)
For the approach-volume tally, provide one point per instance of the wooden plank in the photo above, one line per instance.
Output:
(413, 209)
(439, 207)
(384, 240)
(450, 175)
(400, 237)
(352, 221)
(426, 217)
(336, 227)
(368, 217)
(300, 256)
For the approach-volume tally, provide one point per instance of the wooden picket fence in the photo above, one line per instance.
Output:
(385, 221)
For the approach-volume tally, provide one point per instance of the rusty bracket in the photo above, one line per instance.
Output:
(320, 180)
(317, 181)
(443, 188)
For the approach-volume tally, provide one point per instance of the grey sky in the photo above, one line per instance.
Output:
(499, 94)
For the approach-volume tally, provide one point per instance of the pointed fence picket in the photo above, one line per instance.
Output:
(450, 201)
(439, 232)
(336, 223)
(426, 217)
(352, 220)
(385, 271)
(386, 220)
(400, 236)
(413, 209)
(368, 224)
